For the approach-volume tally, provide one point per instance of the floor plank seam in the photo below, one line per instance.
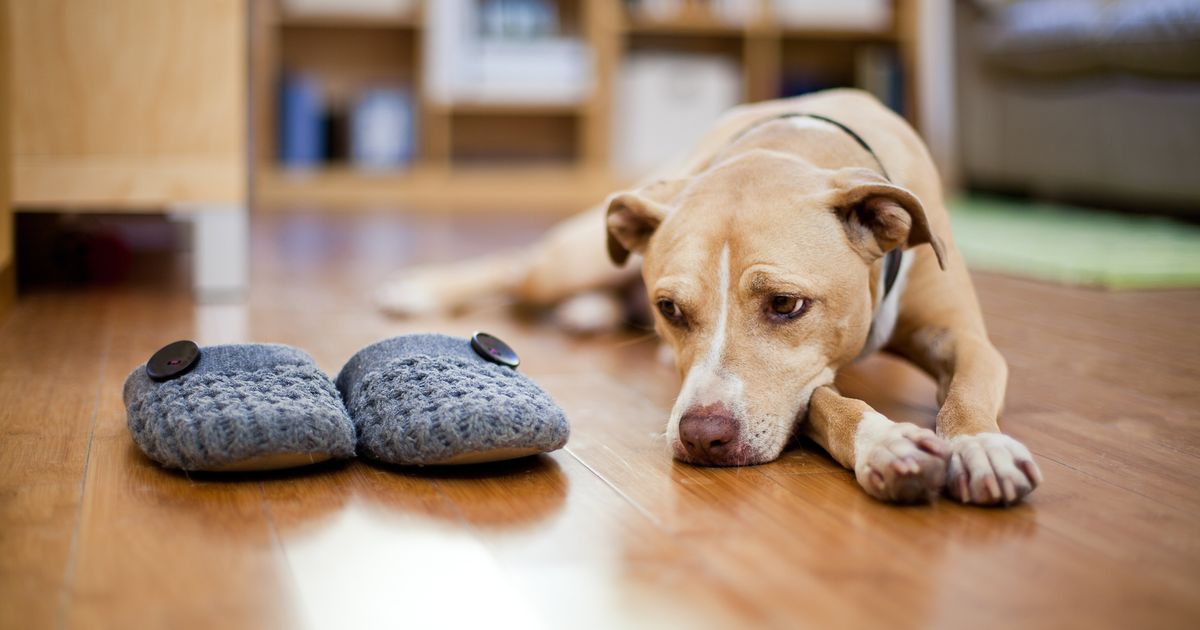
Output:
(73, 547)
(637, 506)
(1106, 482)
(276, 539)
(1101, 479)
(458, 513)
(1096, 544)
(1160, 445)
(788, 490)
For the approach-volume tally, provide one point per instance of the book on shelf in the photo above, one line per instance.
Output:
(376, 132)
(301, 133)
(877, 70)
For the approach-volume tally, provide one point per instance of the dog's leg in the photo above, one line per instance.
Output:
(570, 258)
(447, 287)
(892, 461)
(986, 466)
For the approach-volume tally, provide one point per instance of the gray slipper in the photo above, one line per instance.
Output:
(433, 399)
(236, 407)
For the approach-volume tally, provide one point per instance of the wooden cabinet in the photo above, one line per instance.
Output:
(128, 102)
(135, 105)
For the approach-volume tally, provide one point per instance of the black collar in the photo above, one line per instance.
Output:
(891, 260)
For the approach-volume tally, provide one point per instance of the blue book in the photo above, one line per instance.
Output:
(301, 137)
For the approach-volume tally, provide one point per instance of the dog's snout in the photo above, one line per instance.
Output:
(710, 435)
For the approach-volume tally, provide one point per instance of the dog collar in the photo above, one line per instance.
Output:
(891, 271)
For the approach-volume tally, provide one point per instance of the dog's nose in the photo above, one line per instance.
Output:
(709, 435)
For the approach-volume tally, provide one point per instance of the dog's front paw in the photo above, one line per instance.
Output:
(990, 469)
(899, 461)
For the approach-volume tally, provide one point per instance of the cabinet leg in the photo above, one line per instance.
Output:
(220, 251)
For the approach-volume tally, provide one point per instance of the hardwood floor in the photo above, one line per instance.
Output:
(609, 532)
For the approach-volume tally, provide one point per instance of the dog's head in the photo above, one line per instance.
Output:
(758, 273)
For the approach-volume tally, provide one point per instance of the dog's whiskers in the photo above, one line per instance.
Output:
(636, 340)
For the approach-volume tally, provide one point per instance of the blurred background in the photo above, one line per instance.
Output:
(1067, 131)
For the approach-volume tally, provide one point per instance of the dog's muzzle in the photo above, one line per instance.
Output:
(710, 435)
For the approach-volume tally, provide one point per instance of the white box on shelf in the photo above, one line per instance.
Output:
(740, 12)
(545, 70)
(866, 15)
(663, 102)
(463, 66)
(382, 129)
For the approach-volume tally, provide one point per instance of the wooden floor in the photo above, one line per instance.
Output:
(609, 532)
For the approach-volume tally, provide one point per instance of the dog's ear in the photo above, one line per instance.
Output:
(633, 217)
(881, 216)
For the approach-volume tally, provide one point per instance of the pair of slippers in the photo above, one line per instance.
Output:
(410, 400)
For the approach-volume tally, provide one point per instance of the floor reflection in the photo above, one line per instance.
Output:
(504, 495)
(370, 568)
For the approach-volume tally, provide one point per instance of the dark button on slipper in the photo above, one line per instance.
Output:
(236, 407)
(433, 399)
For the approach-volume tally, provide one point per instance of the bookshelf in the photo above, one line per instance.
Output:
(551, 155)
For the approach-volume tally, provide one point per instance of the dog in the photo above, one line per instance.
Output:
(799, 235)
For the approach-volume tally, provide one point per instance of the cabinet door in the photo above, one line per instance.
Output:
(128, 104)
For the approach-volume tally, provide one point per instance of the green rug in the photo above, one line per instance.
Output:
(1075, 245)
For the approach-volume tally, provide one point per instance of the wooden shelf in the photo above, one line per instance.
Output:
(718, 29)
(694, 26)
(510, 109)
(687, 24)
(349, 20)
(689, 20)
(850, 35)
(555, 189)
(359, 50)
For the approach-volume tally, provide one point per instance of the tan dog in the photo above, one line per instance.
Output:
(765, 258)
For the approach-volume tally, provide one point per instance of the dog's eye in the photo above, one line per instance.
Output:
(788, 306)
(670, 310)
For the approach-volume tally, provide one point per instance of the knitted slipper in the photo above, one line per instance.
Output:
(433, 399)
(236, 407)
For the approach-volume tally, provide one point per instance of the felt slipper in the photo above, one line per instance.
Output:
(433, 399)
(236, 407)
